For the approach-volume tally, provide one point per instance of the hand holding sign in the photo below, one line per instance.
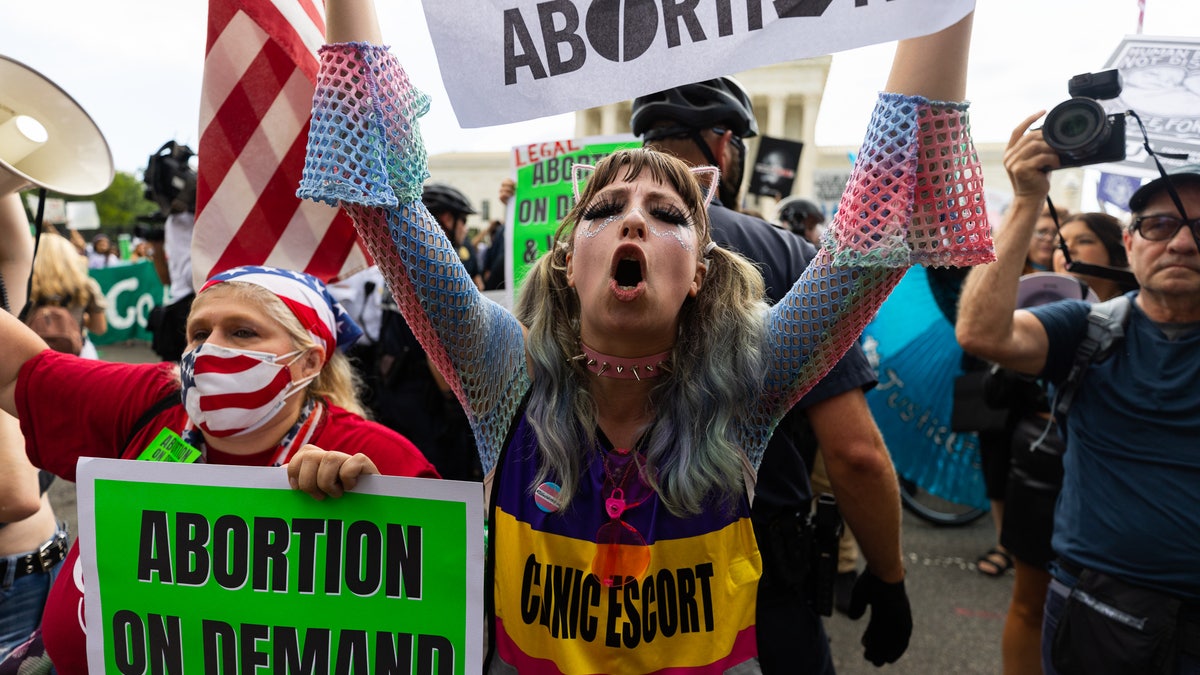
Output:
(324, 472)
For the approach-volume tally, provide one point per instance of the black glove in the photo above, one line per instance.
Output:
(886, 637)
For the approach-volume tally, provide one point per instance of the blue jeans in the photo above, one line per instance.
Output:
(1056, 598)
(21, 604)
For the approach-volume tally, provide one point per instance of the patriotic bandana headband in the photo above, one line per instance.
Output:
(307, 298)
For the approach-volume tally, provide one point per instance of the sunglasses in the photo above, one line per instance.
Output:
(1164, 228)
(622, 555)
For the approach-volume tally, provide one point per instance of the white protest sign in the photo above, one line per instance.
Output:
(1161, 83)
(512, 60)
(83, 216)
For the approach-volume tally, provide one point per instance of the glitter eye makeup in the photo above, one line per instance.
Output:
(669, 233)
(661, 221)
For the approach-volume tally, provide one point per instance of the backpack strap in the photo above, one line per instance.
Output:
(1105, 329)
(161, 405)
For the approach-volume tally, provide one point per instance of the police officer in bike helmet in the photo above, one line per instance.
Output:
(715, 114)
(802, 217)
(451, 207)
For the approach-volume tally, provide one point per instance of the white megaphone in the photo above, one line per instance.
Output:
(46, 139)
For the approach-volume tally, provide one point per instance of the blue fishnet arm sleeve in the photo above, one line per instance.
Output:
(915, 195)
(808, 331)
(364, 142)
(365, 153)
(476, 345)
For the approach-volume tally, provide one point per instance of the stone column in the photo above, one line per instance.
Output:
(808, 157)
(608, 119)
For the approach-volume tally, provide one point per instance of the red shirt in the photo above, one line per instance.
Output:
(71, 407)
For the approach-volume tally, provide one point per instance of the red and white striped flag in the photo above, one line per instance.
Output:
(260, 67)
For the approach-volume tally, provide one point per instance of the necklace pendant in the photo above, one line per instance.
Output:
(615, 504)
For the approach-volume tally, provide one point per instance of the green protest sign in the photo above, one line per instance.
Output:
(221, 569)
(544, 194)
(131, 292)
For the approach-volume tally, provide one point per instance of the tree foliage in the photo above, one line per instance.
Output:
(123, 201)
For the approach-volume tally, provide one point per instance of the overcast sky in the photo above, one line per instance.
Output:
(135, 66)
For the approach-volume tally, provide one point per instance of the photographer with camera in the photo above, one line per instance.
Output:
(1125, 590)
(171, 183)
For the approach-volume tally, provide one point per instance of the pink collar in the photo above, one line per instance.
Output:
(638, 368)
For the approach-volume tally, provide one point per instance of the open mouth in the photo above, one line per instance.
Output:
(628, 273)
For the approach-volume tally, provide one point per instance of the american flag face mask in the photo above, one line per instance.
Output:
(231, 392)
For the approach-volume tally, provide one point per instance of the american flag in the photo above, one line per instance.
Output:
(260, 67)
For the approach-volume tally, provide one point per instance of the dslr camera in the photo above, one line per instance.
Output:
(1079, 129)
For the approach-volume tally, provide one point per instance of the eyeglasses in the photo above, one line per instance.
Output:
(1164, 228)
(1044, 234)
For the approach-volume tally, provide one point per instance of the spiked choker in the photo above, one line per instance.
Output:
(638, 368)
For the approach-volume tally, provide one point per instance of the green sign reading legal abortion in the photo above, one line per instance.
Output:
(544, 193)
(218, 569)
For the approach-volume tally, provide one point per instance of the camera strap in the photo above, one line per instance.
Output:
(1121, 276)
(1161, 171)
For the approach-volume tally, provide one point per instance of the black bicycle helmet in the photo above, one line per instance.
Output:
(722, 101)
(793, 211)
(439, 197)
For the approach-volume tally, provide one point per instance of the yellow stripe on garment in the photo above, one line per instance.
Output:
(687, 610)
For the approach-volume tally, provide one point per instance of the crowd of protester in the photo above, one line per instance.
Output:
(661, 303)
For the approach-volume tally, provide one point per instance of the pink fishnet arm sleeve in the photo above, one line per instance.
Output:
(364, 141)
(809, 330)
(915, 196)
(365, 153)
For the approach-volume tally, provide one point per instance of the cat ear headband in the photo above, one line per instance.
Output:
(580, 172)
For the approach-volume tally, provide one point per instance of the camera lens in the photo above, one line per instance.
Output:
(1076, 128)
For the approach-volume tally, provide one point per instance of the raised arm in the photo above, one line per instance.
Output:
(933, 66)
(16, 250)
(351, 21)
(914, 197)
(989, 325)
(366, 154)
(19, 497)
(20, 343)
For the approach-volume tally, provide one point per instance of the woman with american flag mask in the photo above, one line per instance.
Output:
(262, 378)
